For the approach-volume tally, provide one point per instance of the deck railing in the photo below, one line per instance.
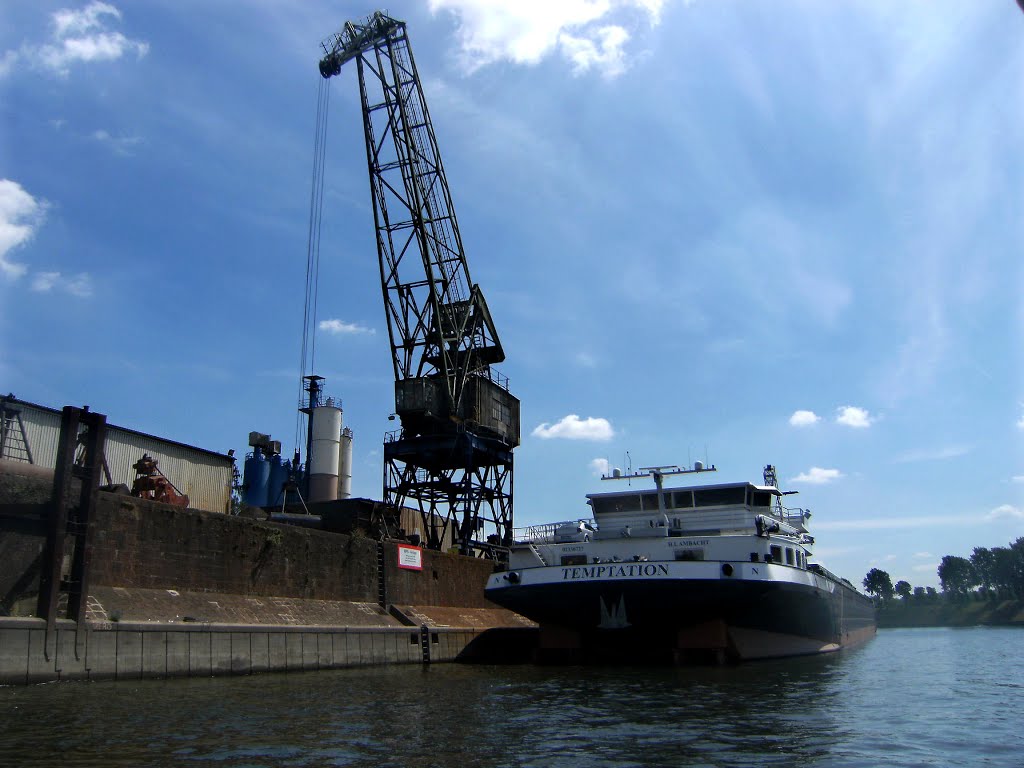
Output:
(545, 532)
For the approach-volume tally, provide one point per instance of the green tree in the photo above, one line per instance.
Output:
(903, 589)
(878, 583)
(1008, 569)
(983, 562)
(956, 575)
(919, 593)
(1017, 548)
(932, 593)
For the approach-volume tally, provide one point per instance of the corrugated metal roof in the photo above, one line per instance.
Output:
(57, 412)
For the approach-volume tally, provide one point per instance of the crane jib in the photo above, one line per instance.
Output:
(452, 458)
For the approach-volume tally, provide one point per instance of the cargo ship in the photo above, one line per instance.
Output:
(717, 572)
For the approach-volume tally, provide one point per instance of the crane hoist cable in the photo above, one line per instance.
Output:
(307, 358)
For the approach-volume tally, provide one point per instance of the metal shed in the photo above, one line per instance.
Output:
(204, 475)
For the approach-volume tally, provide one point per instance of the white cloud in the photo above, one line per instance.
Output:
(603, 51)
(882, 560)
(44, 281)
(823, 553)
(589, 33)
(600, 467)
(121, 145)
(925, 568)
(897, 523)
(20, 217)
(817, 476)
(1017, 479)
(338, 327)
(852, 416)
(1020, 421)
(79, 35)
(924, 555)
(77, 285)
(572, 427)
(1005, 512)
(7, 62)
(948, 452)
(804, 418)
(69, 22)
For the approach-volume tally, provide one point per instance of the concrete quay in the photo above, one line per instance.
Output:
(136, 650)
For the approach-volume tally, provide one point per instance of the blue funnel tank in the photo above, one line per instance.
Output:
(278, 479)
(256, 479)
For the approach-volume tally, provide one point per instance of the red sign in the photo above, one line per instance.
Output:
(410, 557)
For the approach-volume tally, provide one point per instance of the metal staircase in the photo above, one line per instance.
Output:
(13, 440)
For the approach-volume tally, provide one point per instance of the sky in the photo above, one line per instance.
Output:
(741, 231)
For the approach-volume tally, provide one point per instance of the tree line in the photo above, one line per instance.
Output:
(995, 573)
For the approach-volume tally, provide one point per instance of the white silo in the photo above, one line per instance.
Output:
(324, 452)
(345, 465)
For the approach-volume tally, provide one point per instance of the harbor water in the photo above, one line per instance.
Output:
(910, 697)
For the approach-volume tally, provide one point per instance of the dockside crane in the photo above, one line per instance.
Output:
(452, 457)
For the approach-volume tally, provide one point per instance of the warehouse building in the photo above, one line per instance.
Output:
(29, 433)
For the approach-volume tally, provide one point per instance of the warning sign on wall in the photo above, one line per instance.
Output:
(410, 557)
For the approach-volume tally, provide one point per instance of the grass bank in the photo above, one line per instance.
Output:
(946, 613)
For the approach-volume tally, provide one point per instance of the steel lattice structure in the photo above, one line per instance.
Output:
(452, 458)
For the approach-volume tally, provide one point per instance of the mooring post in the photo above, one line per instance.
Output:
(64, 519)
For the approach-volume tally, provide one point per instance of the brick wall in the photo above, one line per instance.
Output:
(145, 544)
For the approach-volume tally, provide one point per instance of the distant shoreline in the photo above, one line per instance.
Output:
(946, 613)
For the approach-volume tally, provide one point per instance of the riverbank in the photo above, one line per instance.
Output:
(946, 613)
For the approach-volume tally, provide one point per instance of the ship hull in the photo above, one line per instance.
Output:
(682, 611)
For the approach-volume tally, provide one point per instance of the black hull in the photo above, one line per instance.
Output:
(736, 619)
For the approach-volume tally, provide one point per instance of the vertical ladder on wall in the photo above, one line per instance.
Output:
(382, 587)
(13, 440)
(69, 518)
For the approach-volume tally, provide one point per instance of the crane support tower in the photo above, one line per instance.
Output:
(452, 458)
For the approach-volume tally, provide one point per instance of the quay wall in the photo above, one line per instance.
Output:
(144, 544)
(131, 651)
(183, 592)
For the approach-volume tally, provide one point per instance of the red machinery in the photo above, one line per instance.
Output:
(150, 483)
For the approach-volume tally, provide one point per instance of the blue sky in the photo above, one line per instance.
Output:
(780, 232)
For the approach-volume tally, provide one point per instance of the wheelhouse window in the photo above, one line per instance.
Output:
(713, 497)
(761, 499)
(682, 499)
(628, 503)
(650, 501)
(789, 557)
(776, 554)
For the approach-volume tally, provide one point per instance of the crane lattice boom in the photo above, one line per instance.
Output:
(459, 421)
